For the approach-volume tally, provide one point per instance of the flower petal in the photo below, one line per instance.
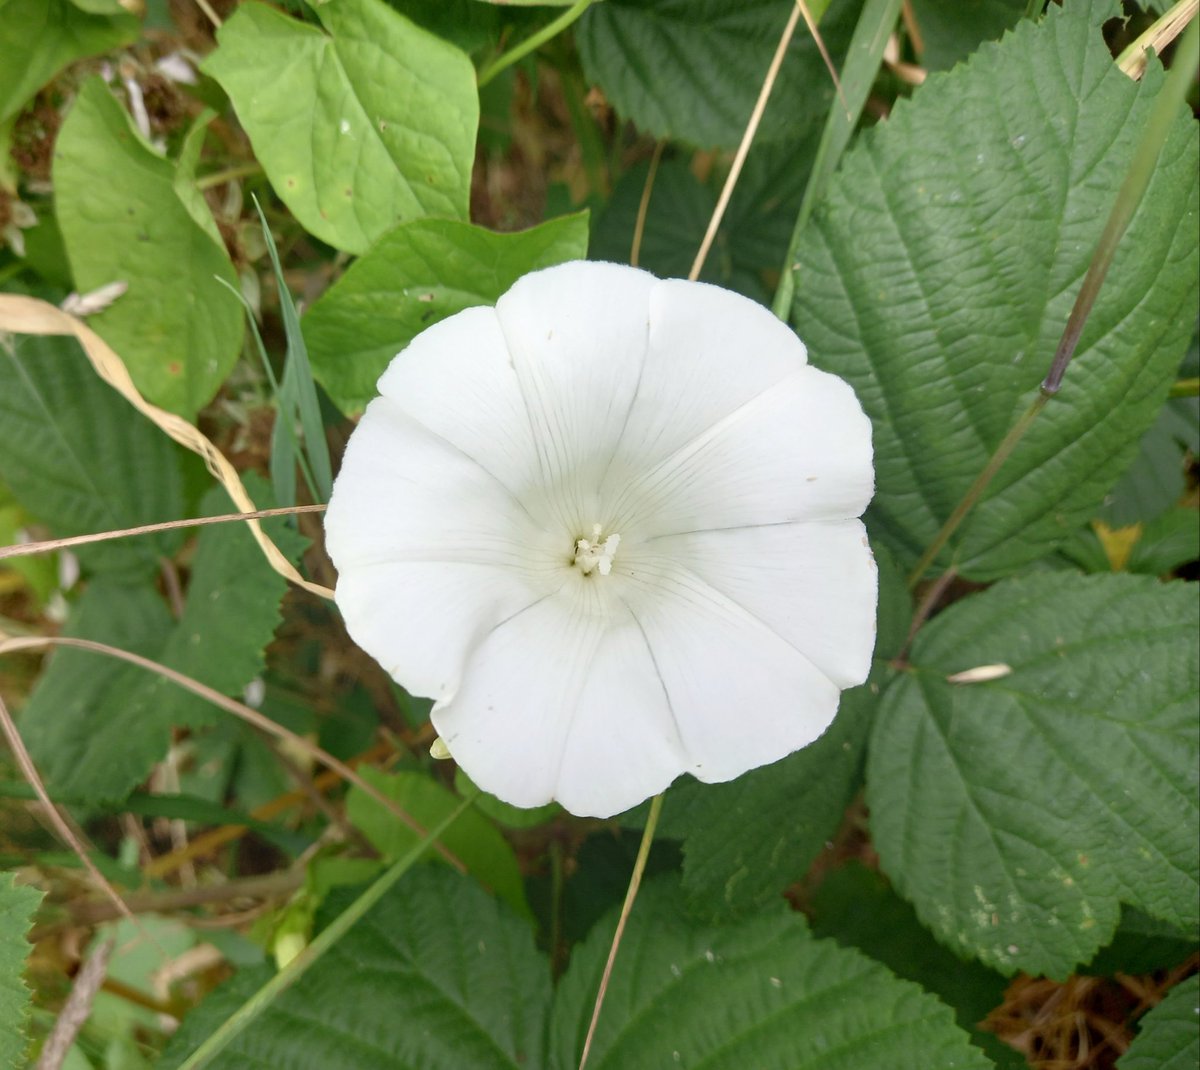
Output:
(406, 494)
(421, 620)
(813, 584)
(800, 450)
(710, 352)
(457, 380)
(742, 694)
(577, 337)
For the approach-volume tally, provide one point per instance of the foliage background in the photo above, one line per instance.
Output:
(1001, 872)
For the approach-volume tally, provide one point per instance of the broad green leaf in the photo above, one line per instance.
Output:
(17, 904)
(439, 975)
(47, 35)
(364, 125)
(473, 839)
(96, 727)
(952, 29)
(513, 817)
(122, 220)
(939, 272)
(854, 906)
(78, 457)
(418, 274)
(1018, 814)
(1169, 1036)
(762, 993)
(691, 70)
(1143, 945)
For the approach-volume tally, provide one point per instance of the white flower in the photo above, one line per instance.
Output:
(610, 526)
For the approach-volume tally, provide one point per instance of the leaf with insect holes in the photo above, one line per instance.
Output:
(416, 275)
(94, 726)
(361, 124)
(1017, 814)
(939, 271)
(175, 328)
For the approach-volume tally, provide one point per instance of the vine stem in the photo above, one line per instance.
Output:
(532, 42)
(635, 882)
(739, 158)
(1137, 179)
(290, 974)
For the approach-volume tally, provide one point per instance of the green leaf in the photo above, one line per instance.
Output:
(1143, 945)
(691, 70)
(953, 29)
(761, 993)
(363, 126)
(513, 817)
(17, 904)
(77, 456)
(939, 272)
(418, 274)
(122, 220)
(472, 838)
(1155, 481)
(1169, 1036)
(1017, 814)
(48, 35)
(855, 907)
(95, 726)
(438, 975)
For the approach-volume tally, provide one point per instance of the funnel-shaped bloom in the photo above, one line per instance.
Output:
(610, 526)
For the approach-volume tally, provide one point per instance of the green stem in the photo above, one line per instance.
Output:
(534, 41)
(242, 170)
(858, 75)
(282, 981)
(1137, 179)
(1185, 388)
(591, 148)
(635, 882)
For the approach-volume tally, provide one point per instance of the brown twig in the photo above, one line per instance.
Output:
(77, 1008)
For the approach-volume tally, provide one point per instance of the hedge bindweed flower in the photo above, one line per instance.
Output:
(610, 526)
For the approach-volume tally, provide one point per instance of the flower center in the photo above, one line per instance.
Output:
(596, 554)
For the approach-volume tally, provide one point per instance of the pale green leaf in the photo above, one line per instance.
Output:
(47, 35)
(939, 272)
(692, 69)
(78, 457)
(761, 993)
(1018, 814)
(439, 975)
(122, 221)
(360, 126)
(473, 839)
(418, 274)
(1169, 1036)
(17, 904)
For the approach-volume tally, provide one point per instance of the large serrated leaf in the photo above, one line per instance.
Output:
(1017, 814)
(176, 328)
(761, 993)
(80, 459)
(691, 69)
(17, 904)
(47, 35)
(939, 273)
(1169, 1036)
(359, 128)
(95, 726)
(417, 274)
(439, 975)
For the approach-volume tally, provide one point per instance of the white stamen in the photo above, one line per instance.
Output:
(596, 553)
